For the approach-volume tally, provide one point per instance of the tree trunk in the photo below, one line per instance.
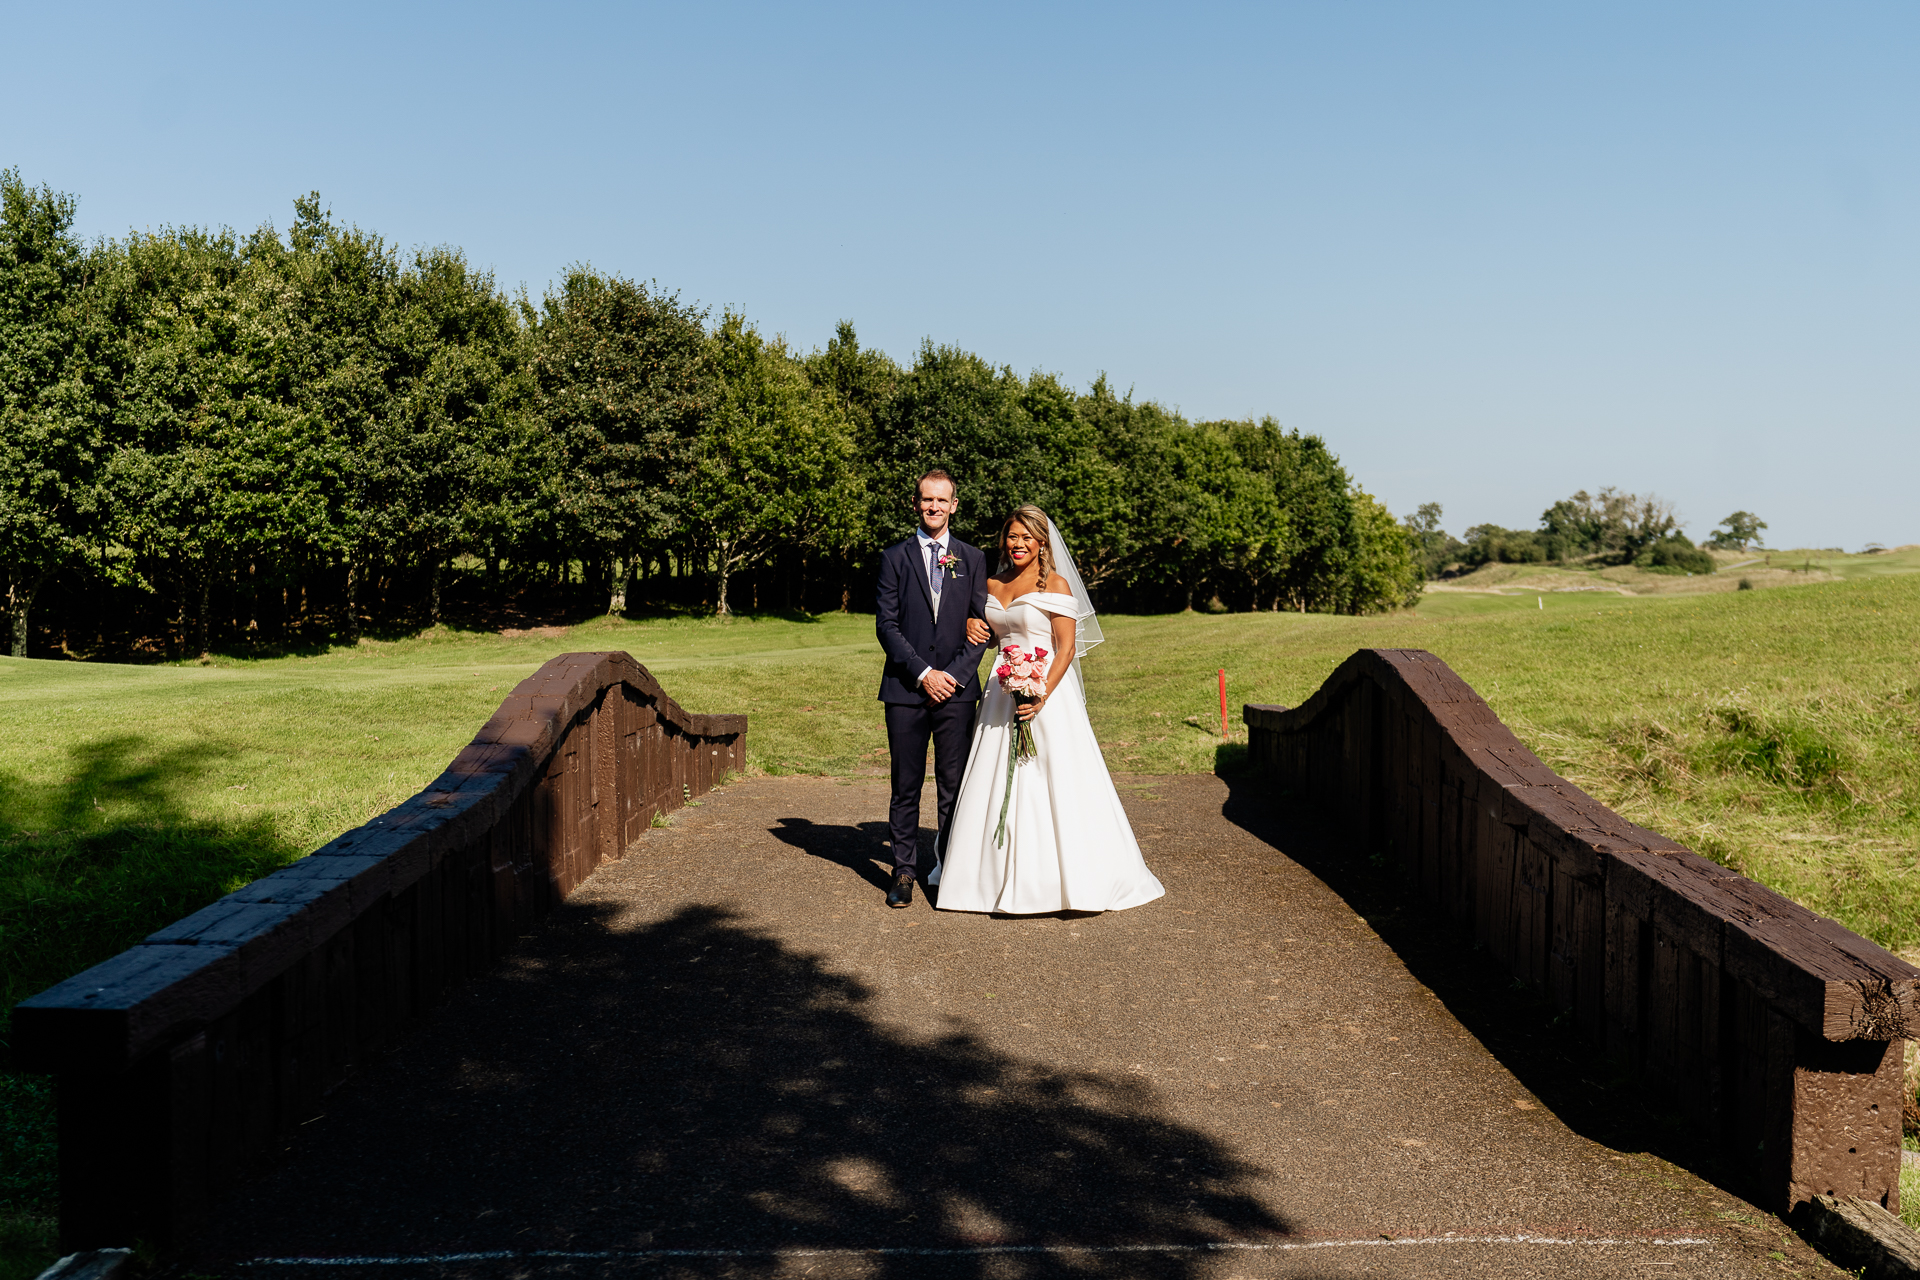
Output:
(352, 628)
(725, 564)
(439, 569)
(200, 621)
(19, 600)
(629, 582)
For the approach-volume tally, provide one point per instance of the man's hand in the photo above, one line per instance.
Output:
(978, 632)
(939, 685)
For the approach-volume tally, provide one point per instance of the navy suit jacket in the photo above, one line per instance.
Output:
(908, 632)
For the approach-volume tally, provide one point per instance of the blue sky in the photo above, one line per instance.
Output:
(1492, 252)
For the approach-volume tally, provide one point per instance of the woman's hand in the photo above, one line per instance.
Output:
(1028, 710)
(978, 632)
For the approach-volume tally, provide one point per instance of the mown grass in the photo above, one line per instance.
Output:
(1756, 569)
(1776, 731)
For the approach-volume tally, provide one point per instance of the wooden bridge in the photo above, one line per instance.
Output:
(437, 1044)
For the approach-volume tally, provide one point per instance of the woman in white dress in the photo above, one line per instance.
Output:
(1066, 845)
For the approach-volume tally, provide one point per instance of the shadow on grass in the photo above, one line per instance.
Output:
(1520, 1027)
(77, 888)
(696, 1084)
(27, 1244)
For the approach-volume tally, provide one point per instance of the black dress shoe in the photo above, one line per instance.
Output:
(901, 894)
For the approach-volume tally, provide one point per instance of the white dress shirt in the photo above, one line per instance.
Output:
(931, 549)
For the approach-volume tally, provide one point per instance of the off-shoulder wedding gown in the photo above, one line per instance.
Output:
(1068, 846)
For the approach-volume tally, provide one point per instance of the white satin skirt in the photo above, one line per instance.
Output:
(1067, 845)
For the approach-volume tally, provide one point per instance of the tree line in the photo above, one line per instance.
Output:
(1608, 527)
(216, 439)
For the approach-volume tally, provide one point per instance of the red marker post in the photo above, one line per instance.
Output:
(1223, 702)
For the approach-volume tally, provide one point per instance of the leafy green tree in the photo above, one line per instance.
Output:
(623, 377)
(1119, 507)
(320, 310)
(1736, 532)
(1491, 544)
(1610, 522)
(194, 411)
(1312, 489)
(954, 410)
(1433, 547)
(1387, 573)
(860, 381)
(775, 459)
(458, 462)
(52, 452)
(1220, 516)
(214, 468)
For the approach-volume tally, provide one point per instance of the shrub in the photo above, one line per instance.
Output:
(1676, 553)
(1490, 544)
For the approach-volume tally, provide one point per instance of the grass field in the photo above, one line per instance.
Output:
(1777, 731)
(1758, 569)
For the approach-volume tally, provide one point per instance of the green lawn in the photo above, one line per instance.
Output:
(1774, 730)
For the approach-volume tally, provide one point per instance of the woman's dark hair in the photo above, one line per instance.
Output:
(1041, 528)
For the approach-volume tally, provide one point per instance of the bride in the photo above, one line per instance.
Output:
(1066, 844)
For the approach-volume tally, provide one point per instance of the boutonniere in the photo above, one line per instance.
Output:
(951, 563)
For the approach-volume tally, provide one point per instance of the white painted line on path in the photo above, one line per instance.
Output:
(1211, 1246)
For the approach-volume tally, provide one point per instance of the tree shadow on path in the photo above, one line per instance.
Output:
(1592, 1096)
(695, 1083)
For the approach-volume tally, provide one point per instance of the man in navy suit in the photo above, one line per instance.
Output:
(930, 585)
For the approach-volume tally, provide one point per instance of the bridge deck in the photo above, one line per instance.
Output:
(725, 1056)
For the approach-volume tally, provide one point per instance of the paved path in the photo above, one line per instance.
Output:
(726, 1057)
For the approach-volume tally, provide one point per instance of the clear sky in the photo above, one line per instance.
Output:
(1492, 252)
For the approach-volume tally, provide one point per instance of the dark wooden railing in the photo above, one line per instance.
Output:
(180, 1060)
(1778, 1030)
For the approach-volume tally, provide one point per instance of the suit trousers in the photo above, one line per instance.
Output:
(949, 726)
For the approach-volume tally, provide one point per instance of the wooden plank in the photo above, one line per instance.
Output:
(189, 1172)
(1446, 842)
(257, 1102)
(108, 1017)
(1532, 907)
(1696, 1034)
(1846, 1119)
(226, 1130)
(340, 1041)
(430, 946)
(1495, 887)
(1461, 876)
(1586, 940)
(113, 1155)
(303, 1039)
(1628, 952)
(402, 918)
(370, 1005)
(1660, 995)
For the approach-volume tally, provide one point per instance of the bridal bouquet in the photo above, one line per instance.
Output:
(1024, 677)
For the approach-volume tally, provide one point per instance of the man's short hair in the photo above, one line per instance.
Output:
(937, 473)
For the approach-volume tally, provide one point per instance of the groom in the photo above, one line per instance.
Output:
(930, 585)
